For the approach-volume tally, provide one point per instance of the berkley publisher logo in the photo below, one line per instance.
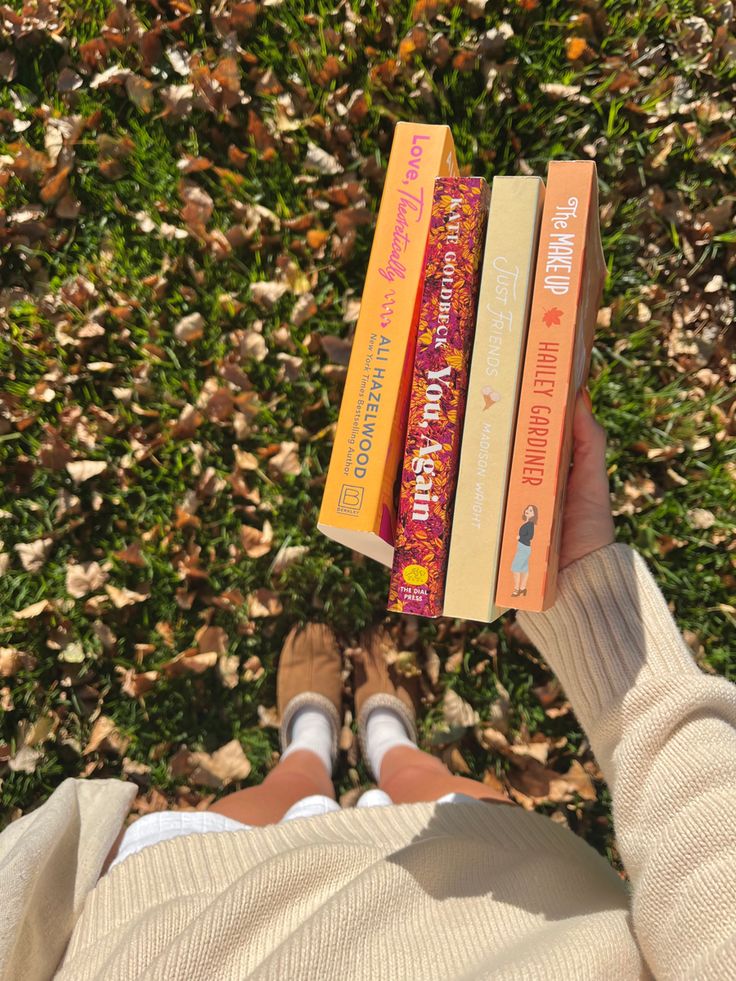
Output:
(351, 499)
(552, 317)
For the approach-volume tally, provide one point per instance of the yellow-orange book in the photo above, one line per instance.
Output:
(493, 397)
(359, 500)
(569, 279)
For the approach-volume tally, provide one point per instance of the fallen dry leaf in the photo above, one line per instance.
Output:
(575, 47)
(198, 206)
(106, 737)
(25, 760)
(455, 761)
(304, 308)
(221, 768)
(337, 349)
(151, 802)
(457, 713)
(537, 750)
(190, 661)
(253, 668)
(254, 346)
(131, 555)
(140, 92)
(211, 639)
(287, 555)
(321, 161)
(700, 518)
(84, 578)
(12, 661)
(81, 470)
(135, 684)
(264, 603)
(493, 740)
(256, 542)
(124, 597)
(227, 669)
(267, 294)
(557, 91)
(189, 328)
(72, 653)
(33, 555)
(245, 460)
(286, 461)
(432, 666)
(133, 768)
(268, 717)
(532, 783)
(33, 611)
(498, 717)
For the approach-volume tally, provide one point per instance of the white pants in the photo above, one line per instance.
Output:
(162, 825)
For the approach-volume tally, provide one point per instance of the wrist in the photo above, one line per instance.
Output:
(609, 626)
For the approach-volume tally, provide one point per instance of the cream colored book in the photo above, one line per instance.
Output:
(493, 396)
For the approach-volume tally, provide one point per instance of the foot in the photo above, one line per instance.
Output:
(309, 688)
(378, 685)
(516, 592)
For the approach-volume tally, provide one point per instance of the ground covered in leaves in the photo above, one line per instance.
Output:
(187, 198)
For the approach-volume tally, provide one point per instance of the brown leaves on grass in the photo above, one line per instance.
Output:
(83, 470)
(33, 611)
(106, 738)
(33, 555)
(189, 328)
(285, 462)
(135, 684)
(216, 770)
(237, 413)
(256, 543)
(122, 597)
(532, 784)
(12, 660)
(264, 603)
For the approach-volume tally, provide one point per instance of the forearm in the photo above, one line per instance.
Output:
(664, 734)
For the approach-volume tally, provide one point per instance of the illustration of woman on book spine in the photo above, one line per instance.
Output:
(520, 565)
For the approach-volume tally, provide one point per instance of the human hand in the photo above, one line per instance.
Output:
(587, 524)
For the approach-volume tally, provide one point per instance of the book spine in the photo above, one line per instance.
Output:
(436, 405)
(493, 395)
(358, 498)
(569, 278)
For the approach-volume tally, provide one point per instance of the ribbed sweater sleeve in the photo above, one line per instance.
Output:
(664, 734)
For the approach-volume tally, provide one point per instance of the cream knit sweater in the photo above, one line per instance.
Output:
(428, 891)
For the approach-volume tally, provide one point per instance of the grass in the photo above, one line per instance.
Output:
(648, 393)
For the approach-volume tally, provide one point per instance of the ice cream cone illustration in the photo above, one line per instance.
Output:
(490, 397)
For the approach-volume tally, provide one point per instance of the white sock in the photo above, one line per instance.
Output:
(311, 729)
(384, 730)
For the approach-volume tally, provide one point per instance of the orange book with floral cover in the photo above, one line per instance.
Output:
(445, 336)
(569, 279)
(358, 503)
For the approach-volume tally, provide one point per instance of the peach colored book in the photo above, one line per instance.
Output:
(437, 403)
(358, 503)
(569, 279)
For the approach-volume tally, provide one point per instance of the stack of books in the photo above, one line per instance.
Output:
(454, 437)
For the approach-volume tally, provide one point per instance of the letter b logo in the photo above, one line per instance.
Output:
(351, 499)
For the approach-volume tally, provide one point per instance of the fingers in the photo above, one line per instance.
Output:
(588, 435)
